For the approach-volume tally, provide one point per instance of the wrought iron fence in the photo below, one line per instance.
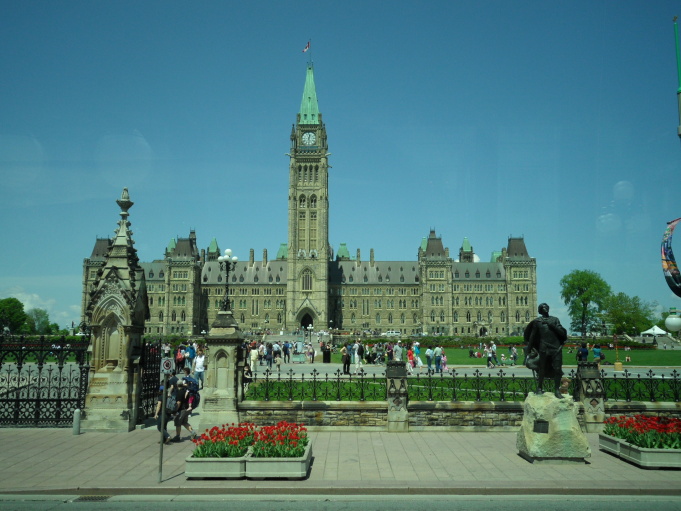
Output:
(651, 387)
(316, 387)
(41, 384)
(452, 386)
(150, 362)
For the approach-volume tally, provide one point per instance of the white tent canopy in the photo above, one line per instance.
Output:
(655, 330)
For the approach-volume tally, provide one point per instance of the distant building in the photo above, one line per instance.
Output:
(306, 284)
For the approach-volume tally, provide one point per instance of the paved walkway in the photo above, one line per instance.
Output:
(54, 461)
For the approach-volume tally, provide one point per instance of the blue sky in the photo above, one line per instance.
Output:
(555, 121)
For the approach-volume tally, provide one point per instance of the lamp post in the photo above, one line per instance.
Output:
(227, 264)
(673, 321)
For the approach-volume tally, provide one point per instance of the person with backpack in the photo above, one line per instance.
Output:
(183, 409)
(168, 417)
(190, 355)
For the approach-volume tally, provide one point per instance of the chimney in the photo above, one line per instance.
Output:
(264, 257)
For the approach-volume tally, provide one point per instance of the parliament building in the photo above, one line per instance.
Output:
(308, 285)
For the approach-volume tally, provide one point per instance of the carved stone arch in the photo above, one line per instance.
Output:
(111, 341)
(222, 361)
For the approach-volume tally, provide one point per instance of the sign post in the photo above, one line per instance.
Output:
(166, 369)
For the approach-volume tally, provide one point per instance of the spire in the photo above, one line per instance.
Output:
(309, 109)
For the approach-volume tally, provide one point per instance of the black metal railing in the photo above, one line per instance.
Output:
(271, 386)
(452, 386)
(648, 387)
(41, 384)
(150, 364)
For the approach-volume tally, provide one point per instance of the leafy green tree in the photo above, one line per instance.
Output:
(38, 322)
(12, 315)
(584, 292)
(628, 314)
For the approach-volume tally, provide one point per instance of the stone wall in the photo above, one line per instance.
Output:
(352, 415)
(423, 415)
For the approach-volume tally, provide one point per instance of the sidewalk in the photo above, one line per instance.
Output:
(54, 461)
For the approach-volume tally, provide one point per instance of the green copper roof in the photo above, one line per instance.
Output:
(213, 246)
(495, 255)
(424, 243)
(283, 251)
(309, 109)
(343, 252)
(466, 246)
(172, 245)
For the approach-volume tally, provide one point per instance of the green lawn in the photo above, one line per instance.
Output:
(659, 357)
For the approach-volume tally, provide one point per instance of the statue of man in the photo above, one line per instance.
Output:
(547, 336)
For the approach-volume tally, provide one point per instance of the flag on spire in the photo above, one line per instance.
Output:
(307, 47)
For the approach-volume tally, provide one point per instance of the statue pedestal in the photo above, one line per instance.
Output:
(550, 432)
(109, 404)
(219, 396)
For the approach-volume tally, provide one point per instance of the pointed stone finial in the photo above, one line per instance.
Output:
(124, 202)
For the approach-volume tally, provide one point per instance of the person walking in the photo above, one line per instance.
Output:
(200, 365)
(359, 356)
(437, 354)
(429, 359)
(183, 411)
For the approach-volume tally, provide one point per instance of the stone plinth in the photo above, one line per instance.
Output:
(219, 395)
(550, 431)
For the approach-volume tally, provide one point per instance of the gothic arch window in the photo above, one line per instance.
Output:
(402, 319)
(527, 315)
(279, 318)
(316, 173)
(300, 173)
(432, 316)
(456, 317)
(442, 317)
(479, 316)
(517, 316)
(151, 274)
(313, 201)
(380, 278)
(489, 316)
(160, 316)
(307, 280)
(301, 201)
(378, 319)
(390, 319)
(243, 319)
(219, 278)
(161, 274)
(401, 278)
(183, 316)
(173, 317)
(503, 317)
(205, 278)
(468, 316)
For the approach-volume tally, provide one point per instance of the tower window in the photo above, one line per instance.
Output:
(307, 280)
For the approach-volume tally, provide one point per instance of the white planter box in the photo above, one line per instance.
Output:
(646, 458)
(280, 468)
(223, 468)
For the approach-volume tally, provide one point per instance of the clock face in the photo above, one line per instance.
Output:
(309, 138)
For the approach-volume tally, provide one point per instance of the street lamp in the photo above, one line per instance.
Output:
(227, 264)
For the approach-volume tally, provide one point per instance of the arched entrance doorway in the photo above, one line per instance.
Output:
(483, 331)
(306, 321)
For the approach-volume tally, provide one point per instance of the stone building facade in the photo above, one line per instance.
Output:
(308, 285)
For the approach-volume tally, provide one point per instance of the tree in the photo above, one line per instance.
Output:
(584, 292)
(38, 322)
(628, 314)
(12, 315)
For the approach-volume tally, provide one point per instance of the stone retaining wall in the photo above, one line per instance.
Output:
(423, 415)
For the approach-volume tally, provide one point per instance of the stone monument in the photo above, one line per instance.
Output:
(223, 344)
(550, 431)
(116, 311)
(398, 414)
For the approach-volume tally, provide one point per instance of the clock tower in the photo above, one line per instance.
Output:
(308, 215)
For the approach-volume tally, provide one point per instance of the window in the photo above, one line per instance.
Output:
(307, 280)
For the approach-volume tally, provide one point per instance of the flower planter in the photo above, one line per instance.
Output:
(646, 458)
(223, 468)
(279, 468)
